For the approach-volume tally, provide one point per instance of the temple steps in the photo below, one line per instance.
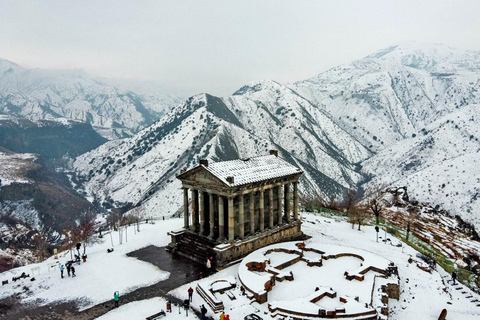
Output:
(195, 247)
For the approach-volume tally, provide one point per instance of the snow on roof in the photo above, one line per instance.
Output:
(251, 170)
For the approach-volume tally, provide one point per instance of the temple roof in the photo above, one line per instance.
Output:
(251, 170)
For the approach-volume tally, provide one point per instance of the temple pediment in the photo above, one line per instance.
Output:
(200, 175)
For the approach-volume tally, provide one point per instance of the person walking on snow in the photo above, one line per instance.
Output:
(203, 312)
(69, 267)
(227, 317)
(116, 297)
(222, 316)
(61, 270)
(73, 271)
(454, 277)
(190, 294)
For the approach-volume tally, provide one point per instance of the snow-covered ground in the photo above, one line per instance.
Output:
(423, 295)
(14, 167)
(98, 278)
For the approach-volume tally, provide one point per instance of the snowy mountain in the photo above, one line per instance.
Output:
(56, 95)
(260, 117)
(391, 95)
(440, 166)
(375, 112)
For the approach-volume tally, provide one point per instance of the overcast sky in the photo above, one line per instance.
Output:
(217, 46)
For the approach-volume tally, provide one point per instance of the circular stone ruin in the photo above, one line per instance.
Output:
(319, 281)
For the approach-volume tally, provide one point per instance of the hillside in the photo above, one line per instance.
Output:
(33, 199)
(266, 116)
(440, 166)
(50, 139)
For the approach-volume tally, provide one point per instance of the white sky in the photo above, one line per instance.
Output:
(217, 46)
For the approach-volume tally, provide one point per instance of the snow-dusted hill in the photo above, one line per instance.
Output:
(33, 199)
(370, 109)
(48, 95)
(266, 116)
(440, 166)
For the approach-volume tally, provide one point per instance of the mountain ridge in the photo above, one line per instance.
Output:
(37, 94)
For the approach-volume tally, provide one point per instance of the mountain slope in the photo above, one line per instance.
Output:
(391, 95)
(440, 166)
(50, 139)
(142, 169)
(48, 95)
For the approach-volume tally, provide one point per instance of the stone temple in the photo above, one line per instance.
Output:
(232, 208)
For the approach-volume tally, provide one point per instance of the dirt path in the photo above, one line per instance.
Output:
(181, 270)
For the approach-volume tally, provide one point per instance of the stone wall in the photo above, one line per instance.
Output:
(226, 253)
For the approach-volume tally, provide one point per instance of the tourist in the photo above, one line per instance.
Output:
(190, 294)
(68, 268)
(454, 277)
(222, 316)
(169, 306)
(61, 270)
(116, 297)
(73, 271)
(209, 264)
(227, 317)
(203, 311)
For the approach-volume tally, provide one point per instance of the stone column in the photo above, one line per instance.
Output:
(295, 200)
(252, 213)
(201, 212)
(270, 208)
(212, 218)
(241, 218)
(231, 220)
(185, 208)
(194, 211)
(287, 202)
(262, 211)
(279, 205)
(221, 219)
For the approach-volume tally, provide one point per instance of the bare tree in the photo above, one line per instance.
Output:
(376, 208)
(120, 235)
(86, 228)
(361, 214)
(351, 198)
(135, 216)
(352, 217)
(122, 225)
(41, 244)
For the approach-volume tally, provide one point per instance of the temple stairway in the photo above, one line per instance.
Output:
(195, 247)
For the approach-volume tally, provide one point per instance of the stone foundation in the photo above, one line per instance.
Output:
(198, 247)
(228, 252)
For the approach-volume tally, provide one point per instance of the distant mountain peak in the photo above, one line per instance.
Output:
(255, 86)
(431, 57)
